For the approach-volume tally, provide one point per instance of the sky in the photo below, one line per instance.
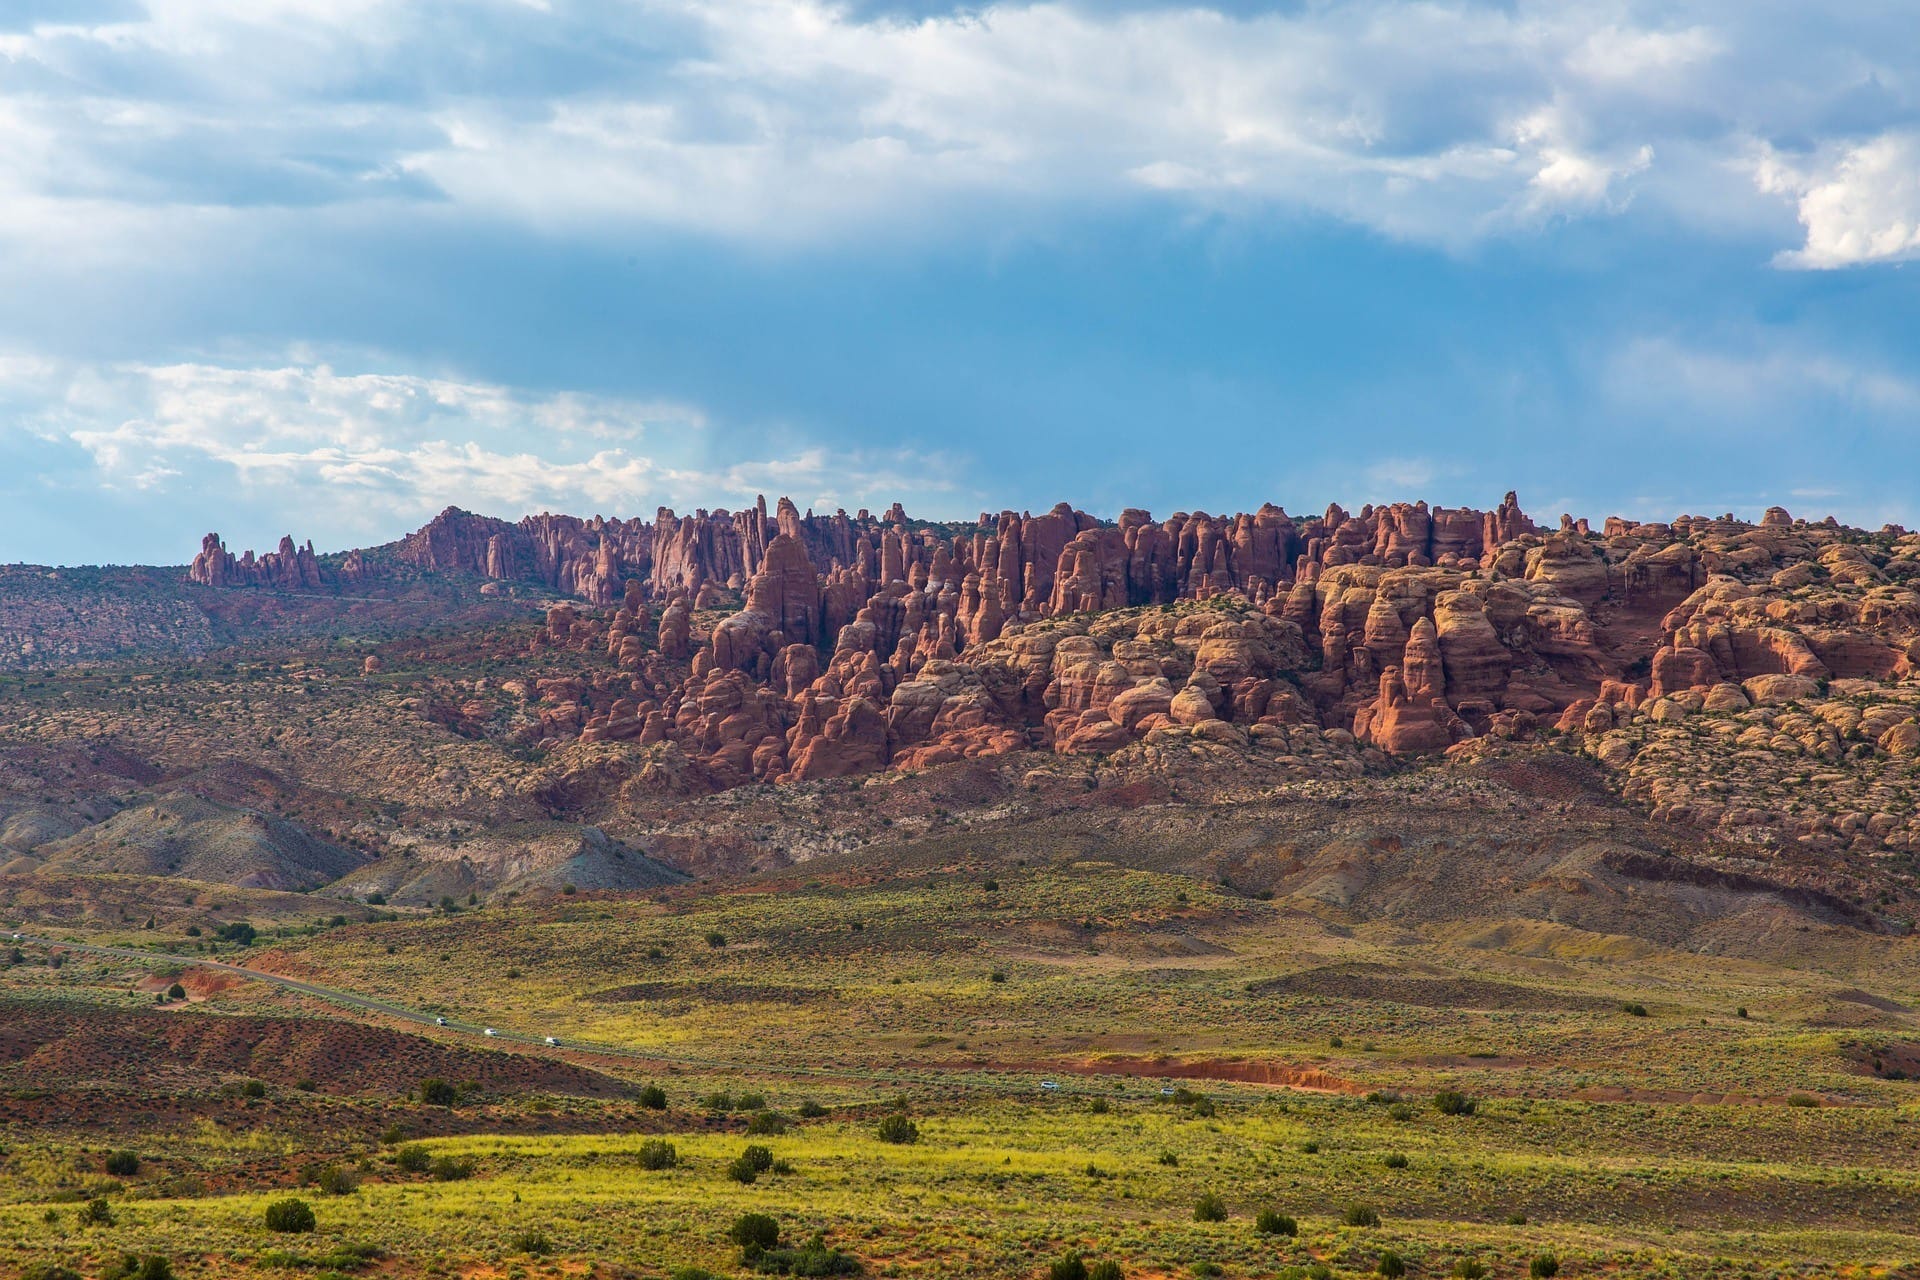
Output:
(324, 267)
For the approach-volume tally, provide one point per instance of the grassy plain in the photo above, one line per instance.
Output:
(1685, 1140)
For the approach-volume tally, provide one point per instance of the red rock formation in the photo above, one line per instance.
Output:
(850, 643)
(286, 569)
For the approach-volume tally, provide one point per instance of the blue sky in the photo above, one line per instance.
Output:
(326, 266)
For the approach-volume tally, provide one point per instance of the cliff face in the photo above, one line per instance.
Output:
(751, 646)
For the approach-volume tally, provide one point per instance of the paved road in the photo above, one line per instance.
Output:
(352, 1001)
(346, 998)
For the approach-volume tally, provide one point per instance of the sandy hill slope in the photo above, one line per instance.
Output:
(199, 839)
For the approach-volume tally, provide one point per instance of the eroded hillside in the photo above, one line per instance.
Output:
(724, 690)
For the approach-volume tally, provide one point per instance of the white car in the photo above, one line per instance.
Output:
(1049, 1085)
(19, 937)
(489, 1032)
(439, 1022)
(552, 1043)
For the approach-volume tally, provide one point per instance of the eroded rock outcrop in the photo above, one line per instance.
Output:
(769, 646)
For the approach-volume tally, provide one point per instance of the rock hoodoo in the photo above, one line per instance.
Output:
(787, 646)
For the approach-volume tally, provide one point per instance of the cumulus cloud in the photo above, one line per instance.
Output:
(368, 452)
(1860, 203)
(797, 120)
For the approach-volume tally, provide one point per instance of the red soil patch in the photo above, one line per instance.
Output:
(199, 984)
(1277, 1075)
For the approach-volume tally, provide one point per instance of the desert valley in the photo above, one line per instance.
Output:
(1410, 891)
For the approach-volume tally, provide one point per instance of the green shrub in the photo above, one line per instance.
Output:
(1633, 1009)
(451, 1169)
(97, 1213)
(767, 1122)
(1470, 1269)
(1271, 1222)
(531, 1241)
(1360, 1215)
(657, 1154)
(347, 1257)
(718, 1101)
(1105, 1269)
(1395, 1160)
(290, 1216)
(123, 1164)
(1209, 1208)
(690, 1273)
(742, 1170)
(1544, 1266)
(898, 1129)
(49, 1271)
(759, 1157)
(152, 1267)
(414, 1158)
(1400, 1111)
(1451, 1102)
(334, 1180)
(811, 1110)
(1390, 1265)
(812, 1259)
(1099, 1106)
(755, 1233)
(240, 933)
(716, 939)
(1802, 1100)
(1070, 1267)
(176, 992)
(435, 1092)
(253, 1089)
(751, 1102)
(653, 1098)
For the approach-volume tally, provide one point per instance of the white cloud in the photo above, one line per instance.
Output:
(1626, 55)
(1761, 387)
(370, 451)
(1859, 204)
(797, 120)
